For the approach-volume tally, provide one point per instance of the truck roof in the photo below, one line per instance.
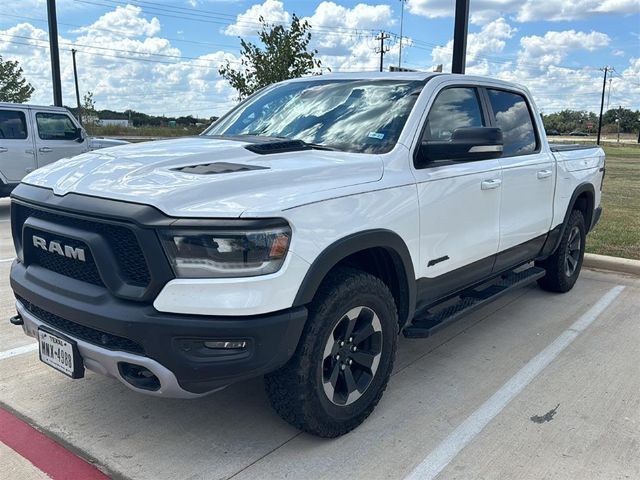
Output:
(29, 105)
(410, 76)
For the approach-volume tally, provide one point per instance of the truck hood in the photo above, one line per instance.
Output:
(149, 173)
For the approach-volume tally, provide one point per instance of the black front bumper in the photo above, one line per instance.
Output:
(89, 312)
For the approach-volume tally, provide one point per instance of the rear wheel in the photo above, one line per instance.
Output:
(344, 359)
(563, 267)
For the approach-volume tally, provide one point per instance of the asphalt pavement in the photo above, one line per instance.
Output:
(535, 385)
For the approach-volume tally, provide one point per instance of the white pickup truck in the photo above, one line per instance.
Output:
(297, 237)
(32, 136)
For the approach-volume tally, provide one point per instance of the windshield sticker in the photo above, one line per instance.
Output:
(376, 135)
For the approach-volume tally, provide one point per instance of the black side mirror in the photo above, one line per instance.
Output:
(79, 135)
(465, 145)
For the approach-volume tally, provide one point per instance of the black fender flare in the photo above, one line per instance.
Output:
(553, 239)
(356, 242)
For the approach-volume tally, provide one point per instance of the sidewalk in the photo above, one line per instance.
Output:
(26, 453)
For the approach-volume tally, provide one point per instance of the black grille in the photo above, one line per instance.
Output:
(121, 239)
(85, 271)
(88, 334)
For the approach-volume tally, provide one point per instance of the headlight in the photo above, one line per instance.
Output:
(226, 253)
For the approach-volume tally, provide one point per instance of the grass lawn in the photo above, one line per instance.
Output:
(618, 233)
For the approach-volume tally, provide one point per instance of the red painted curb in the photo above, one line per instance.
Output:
(47, 455)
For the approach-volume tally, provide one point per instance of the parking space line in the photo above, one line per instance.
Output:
(18, 351)
(464, 434)
(43, 452)
(6, 260)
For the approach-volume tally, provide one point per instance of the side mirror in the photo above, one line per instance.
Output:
(80, 135)
(465, 145)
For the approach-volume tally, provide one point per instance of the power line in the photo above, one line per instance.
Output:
(204, 16)
(119, 32)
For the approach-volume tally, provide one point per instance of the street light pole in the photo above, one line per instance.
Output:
(402, 2)
(55, 54)
(75, 78)
(461, 26)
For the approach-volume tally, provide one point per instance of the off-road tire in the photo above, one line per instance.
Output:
(556, 278)
(296, 390)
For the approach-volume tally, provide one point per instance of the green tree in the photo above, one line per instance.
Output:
(13, 86)
(285, 54)
(88, 108)
(629, 120)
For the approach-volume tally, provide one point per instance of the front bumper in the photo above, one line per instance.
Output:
(112, 331)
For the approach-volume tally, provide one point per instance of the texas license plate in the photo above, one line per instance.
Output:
(60, 353)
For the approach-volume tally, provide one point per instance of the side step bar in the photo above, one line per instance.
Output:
(428, 323)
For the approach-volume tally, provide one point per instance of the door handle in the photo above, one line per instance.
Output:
(490, 184)
(544, 174)
(45, 149)
(3, 149)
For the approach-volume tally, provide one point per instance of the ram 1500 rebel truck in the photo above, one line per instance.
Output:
(297, 237)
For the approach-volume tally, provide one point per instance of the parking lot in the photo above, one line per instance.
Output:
(535, 385)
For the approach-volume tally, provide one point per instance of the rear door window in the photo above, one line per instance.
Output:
(513, 117)
(55, 126)
(13, 125)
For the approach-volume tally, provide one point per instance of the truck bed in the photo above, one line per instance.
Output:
(569, 147)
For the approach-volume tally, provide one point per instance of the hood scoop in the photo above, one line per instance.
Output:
(278, 147)
(218, 167)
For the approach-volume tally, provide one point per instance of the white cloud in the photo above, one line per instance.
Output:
(483, 11)
(248, 23)
(344, 35)
(125, 21)
(157, 83)
(490, 40)
(553, 47)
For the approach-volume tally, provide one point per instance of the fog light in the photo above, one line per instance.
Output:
(226, 344)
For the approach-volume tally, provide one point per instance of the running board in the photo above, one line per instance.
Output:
(428, 323)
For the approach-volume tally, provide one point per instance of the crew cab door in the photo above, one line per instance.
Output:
(17, 157)
(528, 179)
(459, 200)
(57, 137)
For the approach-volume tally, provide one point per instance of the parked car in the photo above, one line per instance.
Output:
(579, 134)
(297, 236)
(32, 136)
(552, 132)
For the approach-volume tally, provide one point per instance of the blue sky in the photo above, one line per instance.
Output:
(162, 56)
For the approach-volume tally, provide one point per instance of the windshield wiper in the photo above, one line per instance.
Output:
(317, 146)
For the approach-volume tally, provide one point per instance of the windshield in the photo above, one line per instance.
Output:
(364, 116)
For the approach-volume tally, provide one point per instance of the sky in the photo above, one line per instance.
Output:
(162, 57)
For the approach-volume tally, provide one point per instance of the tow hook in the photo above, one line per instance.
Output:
(16, 320)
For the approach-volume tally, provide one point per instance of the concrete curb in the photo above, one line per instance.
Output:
(614, 264)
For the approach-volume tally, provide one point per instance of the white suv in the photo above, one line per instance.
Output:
(298, 236)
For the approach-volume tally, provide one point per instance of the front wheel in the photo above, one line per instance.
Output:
(563, 267)
(344, 359)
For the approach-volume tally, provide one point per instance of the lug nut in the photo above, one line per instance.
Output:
(343, 366)
(342, 344)
(354, 348)
(338, 357)
(350, 362)
(350, 339)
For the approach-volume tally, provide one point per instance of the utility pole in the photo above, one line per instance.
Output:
(604, 86)
(75, 77)
(618, 121)
(402, 2)
(55, 55)
(609, 92)
(461, 26)
(382, 49)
